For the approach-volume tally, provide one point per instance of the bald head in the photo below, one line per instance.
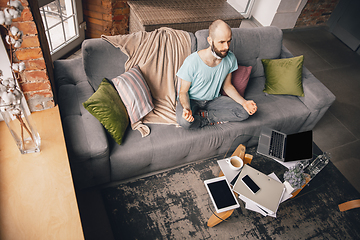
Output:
(219, 38)
(217, 28)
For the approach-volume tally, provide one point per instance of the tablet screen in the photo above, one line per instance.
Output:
(222, 195)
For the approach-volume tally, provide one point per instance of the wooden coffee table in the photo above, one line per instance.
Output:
(217, 218)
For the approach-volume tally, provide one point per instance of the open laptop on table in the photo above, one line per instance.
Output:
(285, 148)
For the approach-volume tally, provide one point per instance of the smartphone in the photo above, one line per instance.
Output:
(250, 184)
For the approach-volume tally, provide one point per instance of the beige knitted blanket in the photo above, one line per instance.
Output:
(159, 54)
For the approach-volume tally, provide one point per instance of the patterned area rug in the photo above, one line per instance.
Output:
(175, 205)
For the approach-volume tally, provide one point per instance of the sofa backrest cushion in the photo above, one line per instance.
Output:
(193, 42)
(250, 45)
(103, 60)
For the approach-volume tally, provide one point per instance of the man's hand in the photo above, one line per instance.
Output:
(187, 115)
(250, 107)
(230, 90)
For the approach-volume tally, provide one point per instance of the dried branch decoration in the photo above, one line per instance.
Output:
(10, 92)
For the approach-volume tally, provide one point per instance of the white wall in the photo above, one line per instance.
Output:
(288, 13)
(265, 10)
(4, 64)
(238, 4)
(280, 13)
(243, 6)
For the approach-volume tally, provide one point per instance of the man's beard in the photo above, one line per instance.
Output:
(216, 53)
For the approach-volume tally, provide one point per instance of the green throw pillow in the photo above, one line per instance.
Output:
(106, 105)
(284, 76)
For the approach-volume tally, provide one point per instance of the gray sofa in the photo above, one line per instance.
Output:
(94, 156)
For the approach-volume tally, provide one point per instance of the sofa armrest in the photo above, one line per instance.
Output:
(317, 99)
(85, 137)
(317, 95)
(285, 53)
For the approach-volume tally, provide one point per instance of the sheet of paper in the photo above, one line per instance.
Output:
(273, 176)
(228, 172)
(250, 205)
(288, 188)
(288, 164)
(272, 215)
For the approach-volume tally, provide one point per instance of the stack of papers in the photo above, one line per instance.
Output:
(272, 192)
(289, 164)
(251, 205)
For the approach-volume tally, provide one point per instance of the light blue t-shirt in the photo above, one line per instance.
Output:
(206, 81)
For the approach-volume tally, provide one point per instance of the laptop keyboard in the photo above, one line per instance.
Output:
(276, 145)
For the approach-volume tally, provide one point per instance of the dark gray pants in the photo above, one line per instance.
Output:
(221, 109)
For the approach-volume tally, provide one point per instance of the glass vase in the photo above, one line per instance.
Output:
(318, 164)
(22, 128)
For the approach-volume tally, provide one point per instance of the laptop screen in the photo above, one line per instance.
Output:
(299, 146)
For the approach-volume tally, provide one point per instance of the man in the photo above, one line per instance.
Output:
(202, 75)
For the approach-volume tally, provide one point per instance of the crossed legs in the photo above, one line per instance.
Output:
(221, 109)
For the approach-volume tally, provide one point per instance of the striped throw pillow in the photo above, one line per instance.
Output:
(134, 93)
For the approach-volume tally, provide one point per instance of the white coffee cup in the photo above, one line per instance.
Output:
(235, 162)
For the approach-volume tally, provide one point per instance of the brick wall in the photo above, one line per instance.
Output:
(108, 17)
(34, 80)
(316, 12)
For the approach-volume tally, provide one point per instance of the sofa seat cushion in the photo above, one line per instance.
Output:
(134, 154)
(283, 112)
(169, 146)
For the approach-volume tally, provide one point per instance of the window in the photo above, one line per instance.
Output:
(61, 23)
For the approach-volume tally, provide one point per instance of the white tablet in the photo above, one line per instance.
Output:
(221, 194)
